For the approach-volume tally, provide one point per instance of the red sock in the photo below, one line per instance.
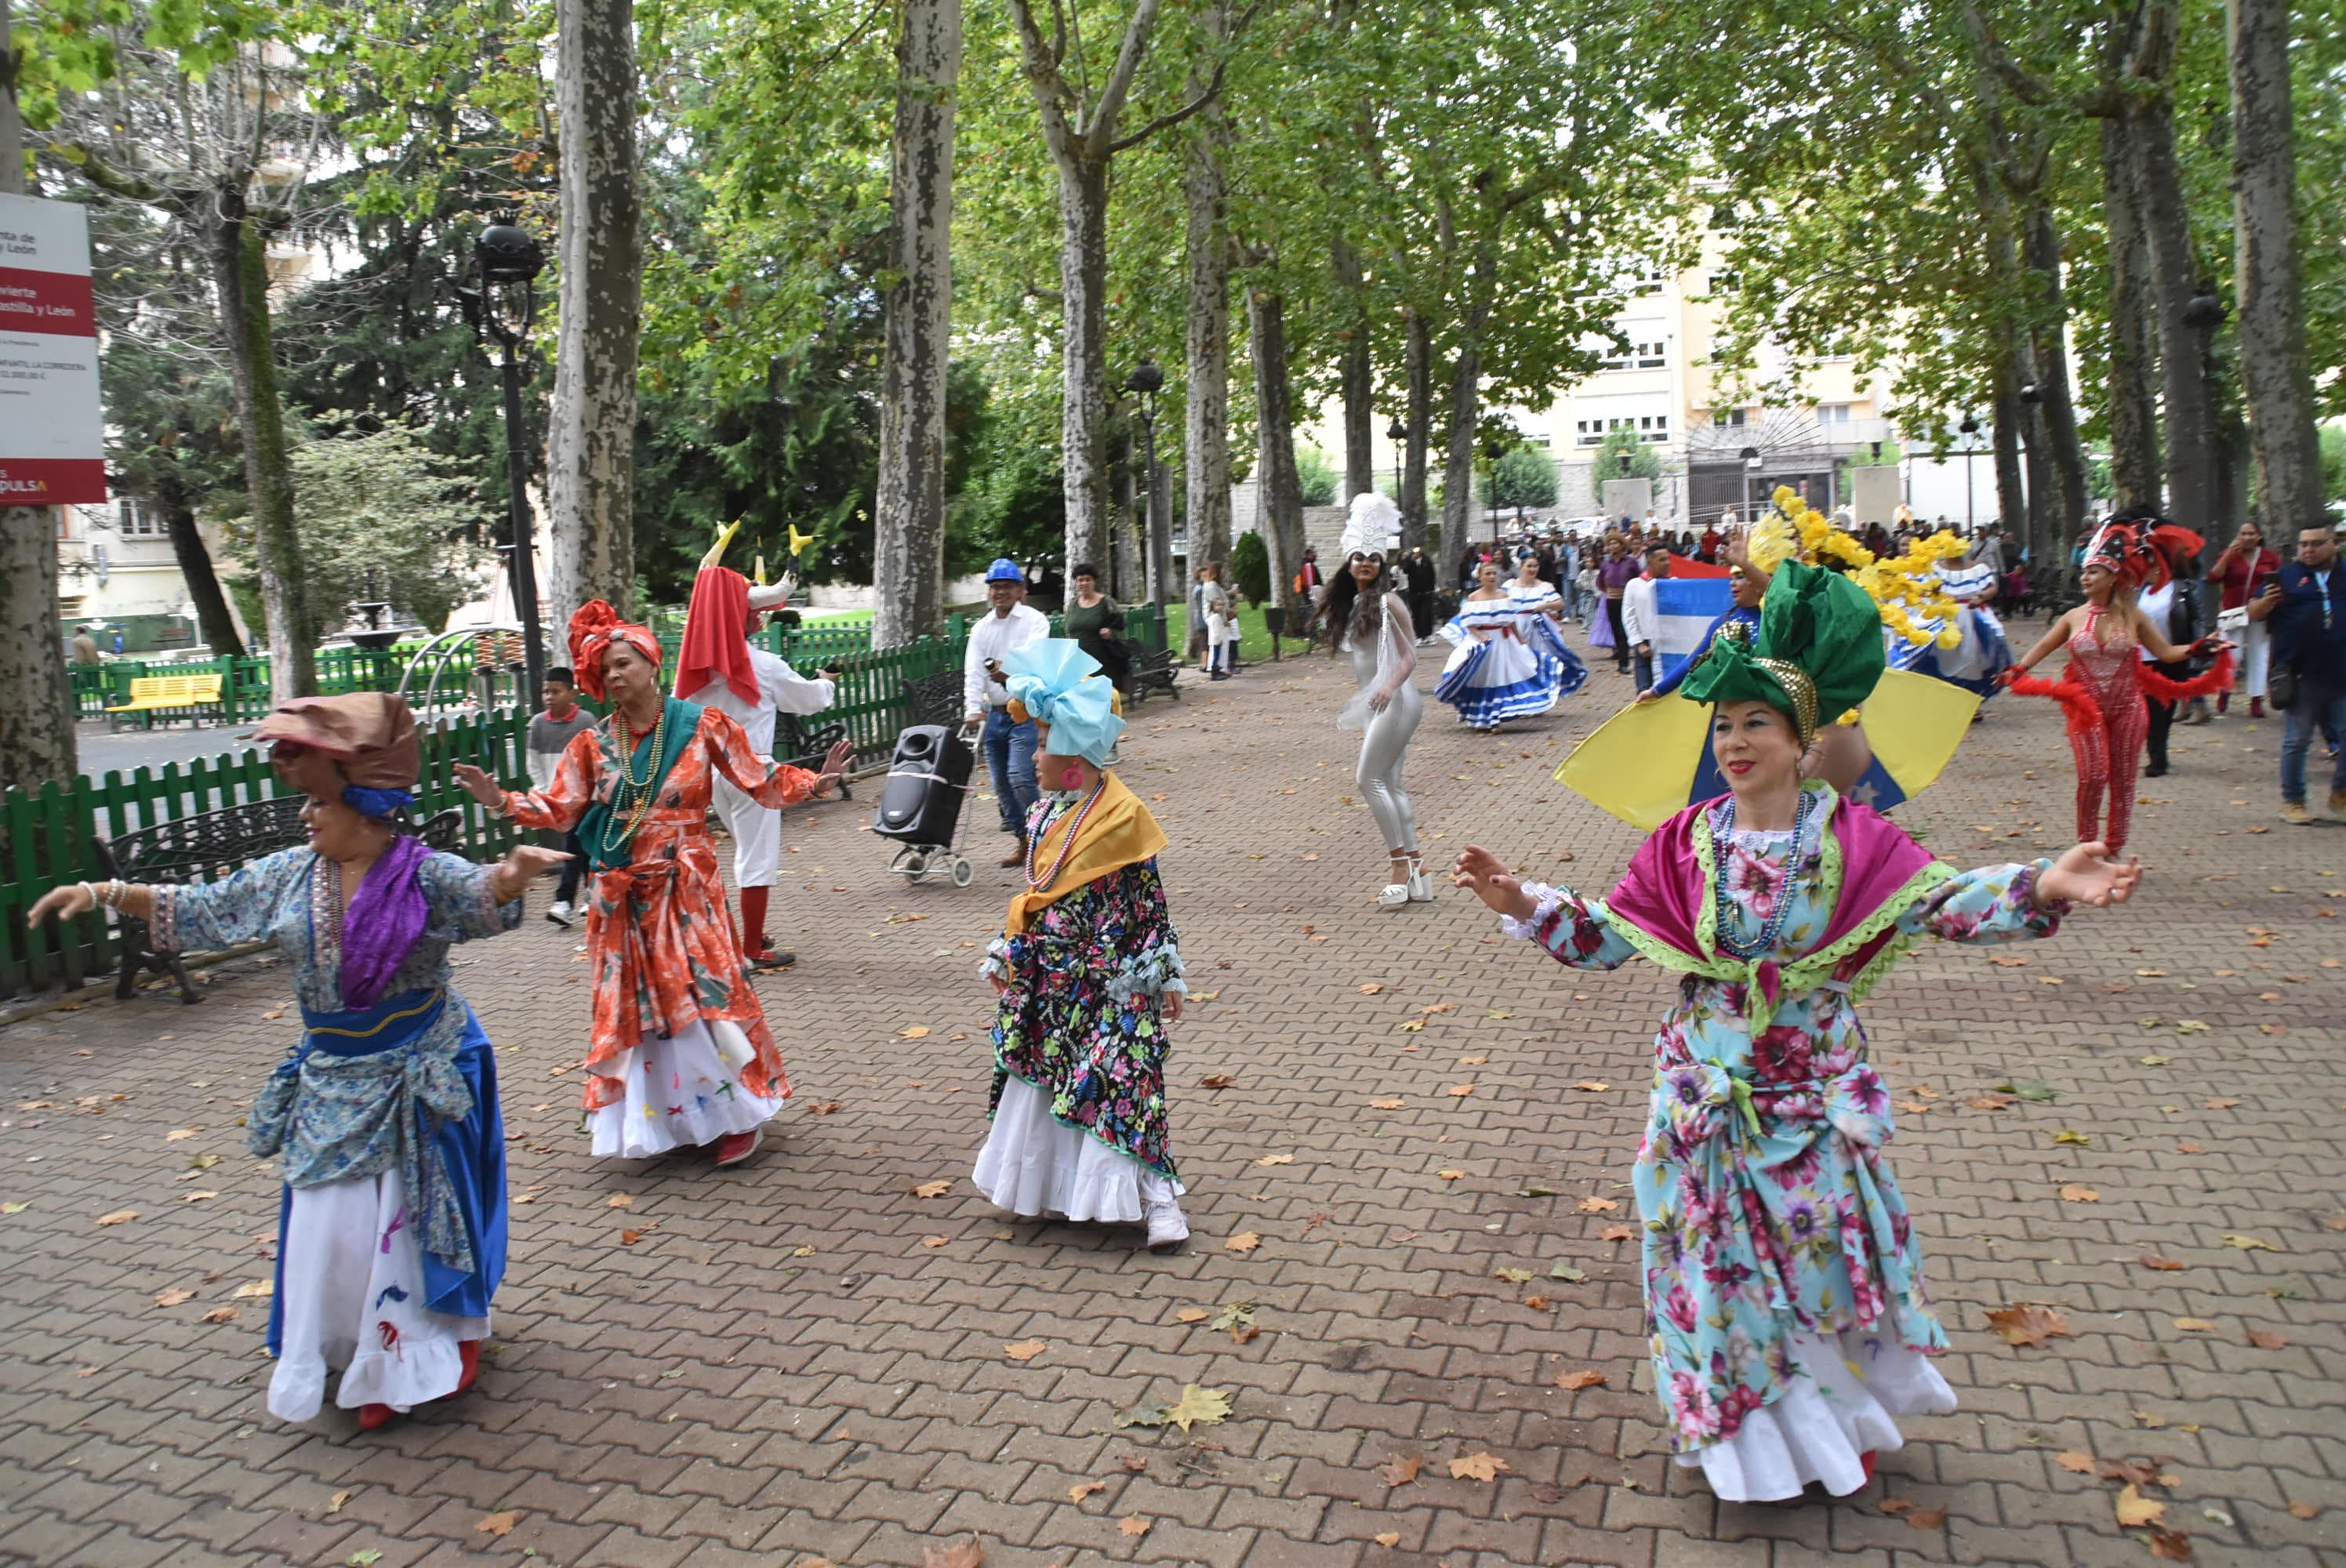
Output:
(754, 919)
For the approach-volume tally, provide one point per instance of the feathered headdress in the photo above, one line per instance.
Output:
(2129, 548)
(1369, 525)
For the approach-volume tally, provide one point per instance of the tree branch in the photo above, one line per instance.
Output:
(1167, 122)
(1098, 134)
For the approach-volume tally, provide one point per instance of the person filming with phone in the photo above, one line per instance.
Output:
(1010, 625)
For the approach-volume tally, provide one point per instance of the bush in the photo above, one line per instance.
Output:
(1250, 576)
(1316, 478)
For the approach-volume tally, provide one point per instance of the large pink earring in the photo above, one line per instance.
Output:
(1073, 778)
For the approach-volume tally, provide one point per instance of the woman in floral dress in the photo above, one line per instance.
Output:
(1088, 972)
(681, 1053)
(384, 1119)
(1783, 1281)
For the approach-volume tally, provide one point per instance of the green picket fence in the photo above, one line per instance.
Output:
(49, 836)
(244, 693)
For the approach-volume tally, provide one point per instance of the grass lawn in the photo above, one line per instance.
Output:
(1254, 643)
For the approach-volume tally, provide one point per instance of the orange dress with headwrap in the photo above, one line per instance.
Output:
(662, 947)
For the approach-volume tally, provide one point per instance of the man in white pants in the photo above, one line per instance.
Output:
(719, 668)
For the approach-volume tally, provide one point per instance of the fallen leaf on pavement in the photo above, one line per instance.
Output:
(620, 1200)
(1478, 1467)
(917, 1031)
(1387, 1538)
(1133, 1524)
(334, 1504)
(119, 1216)
(935, 1240)
(1024, 1350)
(1371, 989)
(2169, 1545)
(961, 1555)
(1926, 1518)
(2195, 1325)
(1401, 1468)
(933, 1189)
(1584, 1379)
(2071, 1136)
(2080, 1195)
(1512, 1276)
(2163, 1264)
(2031, 1325)
(2266, 1339)
(1215, 1081)
(2219, 1104)
(1191, 1315)
(2075, 1463)
(366, 1557)
(2249, 1244)
(1136, 1462)
(1276, 1160)
(197, 1197)
(1617, 1233)
(1201, 1406)
(256, 1290)
(1590, 1086)
(2135, 1510)
(174, 1136)
(17, 1207)
(1450, 1176)
(174, 1298)
(500, 1523)
(1385, 1104)
(1599, 1204)
(629, 1237)
(1084, 1489)
(1460, 1090)
(2303, 1511)
(221, 1314)
(1473, 1061)
(1244, 1241)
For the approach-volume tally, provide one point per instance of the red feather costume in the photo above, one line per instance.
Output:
(2102, 692)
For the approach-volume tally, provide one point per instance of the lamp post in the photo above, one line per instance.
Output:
(1147, 380)
(1970, 429)
(1750, 456)
(1398, 433)
(503, 301)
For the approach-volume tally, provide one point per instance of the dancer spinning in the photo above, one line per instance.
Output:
(1783, 1282)
(717, 668)
(2102, 690)
(1368, 622)
(1088, 971)
(680, 1053)
(1493, 673)
(1539, 610)
(384, 1120)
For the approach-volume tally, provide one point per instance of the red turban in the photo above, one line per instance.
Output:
(592, 630)
(716, 636)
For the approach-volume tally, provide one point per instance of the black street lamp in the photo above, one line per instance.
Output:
(1398, 433)
(503, 301)
(1147, 380)
(1750, 456)
(1970, 429)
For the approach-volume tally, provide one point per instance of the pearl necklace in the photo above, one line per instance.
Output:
(1771, 930)
(1067, 848)
(628, 792)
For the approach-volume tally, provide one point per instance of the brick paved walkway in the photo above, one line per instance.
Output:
(800, 1359)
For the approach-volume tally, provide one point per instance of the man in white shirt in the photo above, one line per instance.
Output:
(1640, 620)
(718, 667)
(1009, 748)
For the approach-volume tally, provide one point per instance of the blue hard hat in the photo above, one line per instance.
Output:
(1005, 570)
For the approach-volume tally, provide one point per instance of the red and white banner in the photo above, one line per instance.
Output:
(52, 428)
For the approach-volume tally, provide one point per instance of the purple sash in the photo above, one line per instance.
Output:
(382, 921)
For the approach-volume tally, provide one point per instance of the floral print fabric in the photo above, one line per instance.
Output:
(658, 935)
(1068, 1024)
(1768, 1205)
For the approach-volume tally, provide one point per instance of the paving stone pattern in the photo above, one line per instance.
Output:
(801, 1360)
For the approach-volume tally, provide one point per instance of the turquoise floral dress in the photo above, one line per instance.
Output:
(1067, 1025)
(1771, 1219)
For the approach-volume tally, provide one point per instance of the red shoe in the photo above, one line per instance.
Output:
(735, 1148)
(2256, 707)
(1866, 1459)
(2223, 702)
(470, 1351)
(374, 1418)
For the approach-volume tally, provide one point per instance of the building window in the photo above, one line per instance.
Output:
(1728, 418)
(1725, 282)
(1639, 356)
(135, 522)
(1832, 413)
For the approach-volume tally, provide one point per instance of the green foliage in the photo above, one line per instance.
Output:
(1319, 479)
(1249, 572)
(1645, 461)
(381, 515)
(2333, 463)
(1523, 476)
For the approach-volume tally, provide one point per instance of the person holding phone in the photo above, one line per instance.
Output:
(2244, 571)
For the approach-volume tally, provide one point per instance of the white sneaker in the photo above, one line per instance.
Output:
(560, 914)
(1169, 1227)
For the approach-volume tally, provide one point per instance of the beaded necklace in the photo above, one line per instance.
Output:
(1771, 930)
(632, 797)
(1066, 848)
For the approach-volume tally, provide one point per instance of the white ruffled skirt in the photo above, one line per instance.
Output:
(683, 1090)
(1841, 1406)
(354, 1297)
(1033, 1165)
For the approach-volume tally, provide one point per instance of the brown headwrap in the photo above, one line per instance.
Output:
(370, 736)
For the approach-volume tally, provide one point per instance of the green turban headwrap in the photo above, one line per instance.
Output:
(1816, 655)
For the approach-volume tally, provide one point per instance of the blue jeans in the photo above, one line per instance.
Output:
(2319, 707)
(1010, 760)
(1645, 670)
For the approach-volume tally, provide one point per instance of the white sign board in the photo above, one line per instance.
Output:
(52, 430)
(1630, 498)
(1874, 493)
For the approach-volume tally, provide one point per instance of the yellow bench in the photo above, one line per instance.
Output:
(153, 694)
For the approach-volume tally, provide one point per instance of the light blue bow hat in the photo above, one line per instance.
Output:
(1055, 681)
